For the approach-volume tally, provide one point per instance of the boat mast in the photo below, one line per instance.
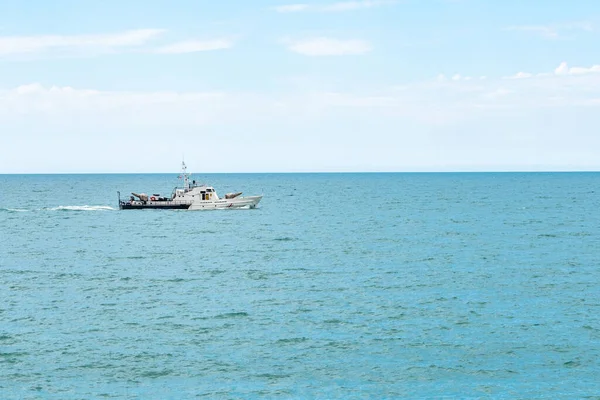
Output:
(186, 185)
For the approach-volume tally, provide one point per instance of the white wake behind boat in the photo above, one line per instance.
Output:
(191, 196)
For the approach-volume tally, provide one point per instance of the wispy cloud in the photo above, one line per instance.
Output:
(434, 103)
(455, 98)
(553, 31)
(323, 46)
(192, 46)
(563, 69)
(64, 102)
(334, 7)
(140, 41)
(10, 45)
(562, 87)
(578, 25)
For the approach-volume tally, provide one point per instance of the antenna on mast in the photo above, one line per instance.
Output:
(184, 175)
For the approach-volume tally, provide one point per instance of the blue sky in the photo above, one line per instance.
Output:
(253, 86)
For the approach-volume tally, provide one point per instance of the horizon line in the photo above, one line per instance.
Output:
(507, 171)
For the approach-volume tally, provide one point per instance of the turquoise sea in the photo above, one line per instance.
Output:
(339, 286)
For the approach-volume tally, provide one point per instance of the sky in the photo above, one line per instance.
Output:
(306, 86)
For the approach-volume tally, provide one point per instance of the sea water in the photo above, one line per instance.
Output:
(343, 286)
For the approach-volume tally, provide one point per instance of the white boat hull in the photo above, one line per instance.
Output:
(189, 197)
(238, 202)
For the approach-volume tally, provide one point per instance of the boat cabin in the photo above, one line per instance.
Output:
(203, 192)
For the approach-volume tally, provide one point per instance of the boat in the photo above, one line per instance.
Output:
(191, 196)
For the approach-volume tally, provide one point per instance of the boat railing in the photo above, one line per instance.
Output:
(173, 202)
(160, 202)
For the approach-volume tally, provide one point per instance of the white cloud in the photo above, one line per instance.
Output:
(563, 69)
(192, 46)
(562, 88)
(467, 121)
(441, 99)
(520, 75)
(64, 106)
(10, 45)
(334, 7)
(580, 70)
(328, 47)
